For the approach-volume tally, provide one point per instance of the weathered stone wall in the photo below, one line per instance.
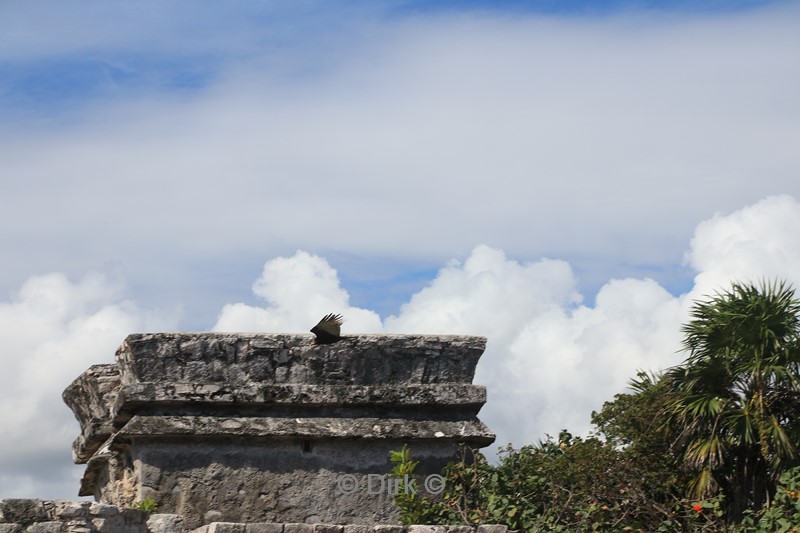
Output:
(259, 428)
(43, 516)
(256, 358)
(47, 516)
(271, 481)
(228, 527)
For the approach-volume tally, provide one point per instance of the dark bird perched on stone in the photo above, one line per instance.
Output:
(328, 330)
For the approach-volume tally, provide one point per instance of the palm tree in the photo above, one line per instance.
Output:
(737, 413)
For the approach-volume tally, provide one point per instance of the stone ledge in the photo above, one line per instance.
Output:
(262, 399)
(243, 358)
(445, 394)
(91, 398)
(255, 374)
(473, 432)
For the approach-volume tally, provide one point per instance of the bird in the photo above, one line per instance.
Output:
(328, 329)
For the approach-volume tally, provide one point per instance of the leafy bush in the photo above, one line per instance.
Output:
(709, 445)
(148, 504)
(782, 515)
(569, 484)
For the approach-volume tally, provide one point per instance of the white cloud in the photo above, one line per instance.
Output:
(299, 290)
(758, 241)
(563, 365)
(550, 364)
(550, 360)
(50, 332)
(542, 136)
(566, 362)
(487, 295)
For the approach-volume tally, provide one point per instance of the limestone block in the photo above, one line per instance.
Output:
(105, 510)
(91, 397)
(460, 529)
(298, 528)
(66, 510)
(79, 526)
(492, 528)
(46, 527)
(11, 528)
(427, 529)
(106, 525)
(383, 528)
(327, 528)
(264, 527)
(357, 528)
(226, 527)
(165, 523)
(23, 511)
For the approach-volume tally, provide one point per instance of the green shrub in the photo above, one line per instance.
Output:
(148, 504)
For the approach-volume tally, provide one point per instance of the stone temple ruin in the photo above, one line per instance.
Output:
(266, 432)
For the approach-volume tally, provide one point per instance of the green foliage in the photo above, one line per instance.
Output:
(581, 485)
(466, 498)
(707, 446)
(414, 508)
(737, 401)
(782, 515)
(148, 504)
(568, 484)
(463, 498)
(634, 423)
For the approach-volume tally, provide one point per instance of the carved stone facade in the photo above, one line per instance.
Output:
(250, 428)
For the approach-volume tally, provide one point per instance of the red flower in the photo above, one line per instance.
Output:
(697, 508)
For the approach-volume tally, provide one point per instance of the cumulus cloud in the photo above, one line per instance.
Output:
(551, 359)
(549, 362)
(51, 331)
(565, 363)
(759, 241)
(298, 290)
(488, 294)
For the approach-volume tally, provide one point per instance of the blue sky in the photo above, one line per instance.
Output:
(64, 69)
(46, 79)
(563, 177)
